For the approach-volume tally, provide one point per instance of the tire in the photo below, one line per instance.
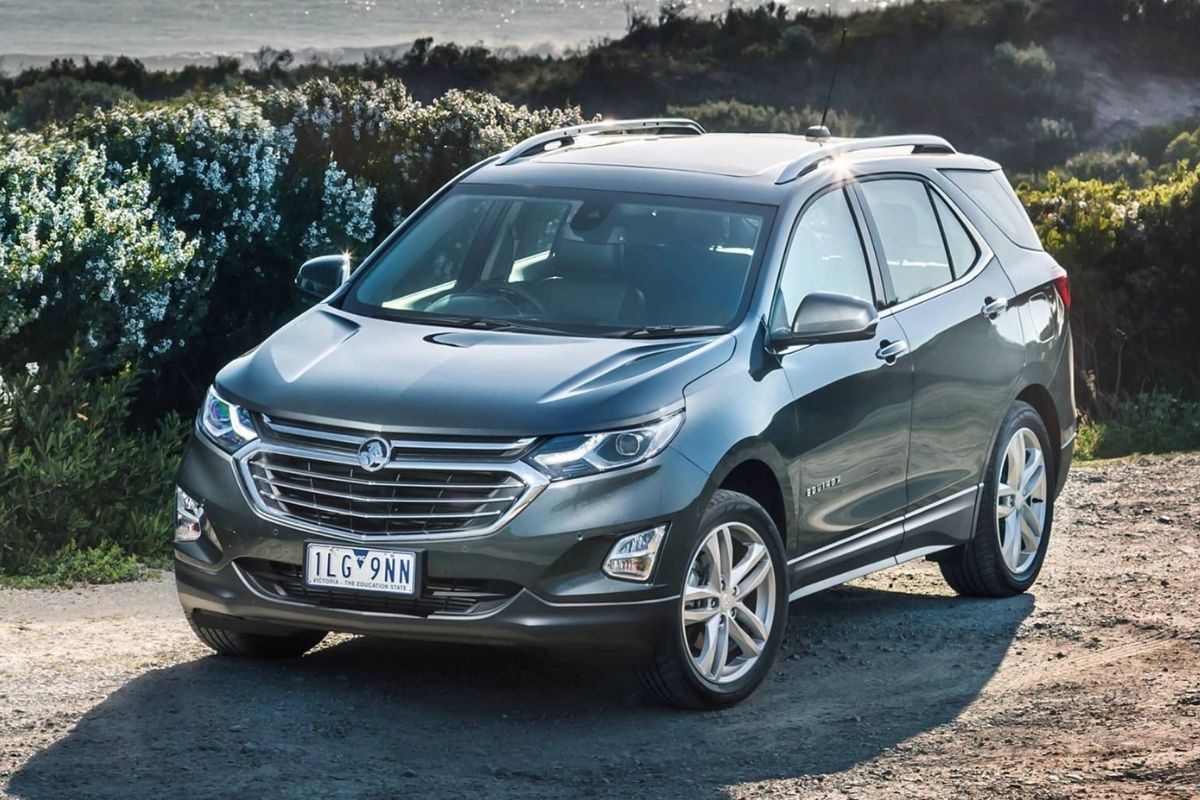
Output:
(256, 645)
(673, 674)
(981, 567)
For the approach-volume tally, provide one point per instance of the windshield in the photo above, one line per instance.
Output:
(569, 261)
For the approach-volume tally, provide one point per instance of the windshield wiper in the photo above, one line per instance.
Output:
(660, 331)
(495, 324)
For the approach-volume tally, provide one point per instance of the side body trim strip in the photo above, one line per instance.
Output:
(838, 580)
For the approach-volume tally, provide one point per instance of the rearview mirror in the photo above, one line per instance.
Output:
(829, 317)
(319, 276)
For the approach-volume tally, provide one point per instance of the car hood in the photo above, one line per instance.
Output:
(330, 367)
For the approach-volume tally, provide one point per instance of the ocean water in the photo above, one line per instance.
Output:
(167, 33)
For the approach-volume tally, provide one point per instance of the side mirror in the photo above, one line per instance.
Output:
(829, 317)
(319, 276)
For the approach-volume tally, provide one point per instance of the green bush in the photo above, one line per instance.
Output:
(1184, 147)
(732, 116)
(136, 230)
(70, 565)
(1024, 69)
(1135, 282)
(75, 477)
(1108, 166)
(61, 98)
(1159, 423)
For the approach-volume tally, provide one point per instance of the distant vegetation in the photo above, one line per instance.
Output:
(148, 240)
(978, 71)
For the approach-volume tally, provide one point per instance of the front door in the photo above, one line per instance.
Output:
(851, 407)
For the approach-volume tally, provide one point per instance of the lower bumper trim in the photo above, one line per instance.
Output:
(525, 620)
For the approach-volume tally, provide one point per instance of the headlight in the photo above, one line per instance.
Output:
(590, 453)
(226, 424)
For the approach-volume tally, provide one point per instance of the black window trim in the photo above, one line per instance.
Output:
(962, 221)
(984, 253)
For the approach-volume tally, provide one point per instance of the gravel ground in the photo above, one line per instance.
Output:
(1088, 687)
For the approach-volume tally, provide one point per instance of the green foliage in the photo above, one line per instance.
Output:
(60, 98)
(75, 476)
(85, 252)
(732, 116)
(1135, 281)
(1023, 69)
(1108, 166)
(1147, 423)
(974, 70)
(70, 566)
(135, 229)
(1185, 147)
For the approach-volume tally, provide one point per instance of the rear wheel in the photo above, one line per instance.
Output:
(1016, 512)
(290, 644)
(732, 610)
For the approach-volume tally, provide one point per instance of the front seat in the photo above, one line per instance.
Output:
(590, 285)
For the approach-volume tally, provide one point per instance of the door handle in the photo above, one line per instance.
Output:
(992, 306)
(888, 352)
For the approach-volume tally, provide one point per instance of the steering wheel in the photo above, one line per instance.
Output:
(520, 298)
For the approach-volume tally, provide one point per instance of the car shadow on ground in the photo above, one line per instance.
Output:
(861, 671)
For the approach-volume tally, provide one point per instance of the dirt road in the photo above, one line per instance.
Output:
(1088, 687)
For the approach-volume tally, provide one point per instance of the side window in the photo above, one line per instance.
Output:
(825, 255)
(963, 251)
(994, 194)
(914, 253)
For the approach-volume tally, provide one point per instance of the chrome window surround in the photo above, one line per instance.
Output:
(533, 480)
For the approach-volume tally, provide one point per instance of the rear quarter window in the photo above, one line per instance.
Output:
(992, 192)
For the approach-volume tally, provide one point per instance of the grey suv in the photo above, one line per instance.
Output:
(635, 387)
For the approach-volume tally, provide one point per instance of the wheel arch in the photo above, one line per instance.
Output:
(755, 479)
(1038, 396)
(755, 468)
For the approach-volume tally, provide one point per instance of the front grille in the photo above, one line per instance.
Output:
(400, 499)
(438, 596)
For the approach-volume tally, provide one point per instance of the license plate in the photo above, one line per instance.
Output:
(362, 568)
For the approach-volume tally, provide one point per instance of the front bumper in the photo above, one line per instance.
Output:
(225, 600)
(549, 557)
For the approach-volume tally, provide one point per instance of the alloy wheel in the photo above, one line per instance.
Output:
(1021, 500)
(729, 602)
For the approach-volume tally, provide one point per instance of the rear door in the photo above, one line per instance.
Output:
(949, 294)
(851, 406)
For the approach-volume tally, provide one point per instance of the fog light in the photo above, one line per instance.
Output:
(632, 557)
(187, 516)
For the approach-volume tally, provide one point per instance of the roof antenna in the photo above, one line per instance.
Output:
(820, 132)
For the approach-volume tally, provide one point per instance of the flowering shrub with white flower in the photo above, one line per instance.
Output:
(170, 234)
(83, 252)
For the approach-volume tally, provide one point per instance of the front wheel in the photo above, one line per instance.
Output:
(732, 610)
(1016, 512)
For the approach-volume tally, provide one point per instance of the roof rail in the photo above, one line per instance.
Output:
(810, 161)
(563, 137)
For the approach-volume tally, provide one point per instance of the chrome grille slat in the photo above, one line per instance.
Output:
(399, 484)
(292, 501)
(280, 484)
(402, 445)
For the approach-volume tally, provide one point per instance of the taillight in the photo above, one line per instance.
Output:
(1062, 282)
